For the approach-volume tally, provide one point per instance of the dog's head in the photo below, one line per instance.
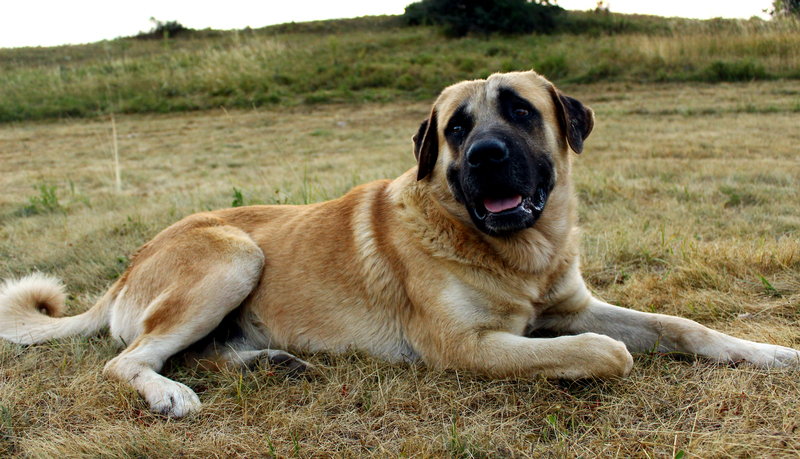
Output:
(498, 144)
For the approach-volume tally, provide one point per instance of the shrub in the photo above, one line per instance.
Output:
(162, 29)
(462, 17)
(742, 70)
(785, 8)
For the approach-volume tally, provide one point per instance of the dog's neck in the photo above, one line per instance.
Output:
(446, 231)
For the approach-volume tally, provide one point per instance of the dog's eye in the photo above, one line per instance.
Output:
(456, 129)
(521, 112)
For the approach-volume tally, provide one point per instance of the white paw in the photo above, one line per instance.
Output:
(770, 356)
(593, 356)
(614, 360)
(173, 399)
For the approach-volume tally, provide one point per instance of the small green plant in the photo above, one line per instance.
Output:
(46, 202)
(238, 198)
(271, 447)
(553, 421)
(737, 197)
(295, 443)
(769, 289)
(459, 445)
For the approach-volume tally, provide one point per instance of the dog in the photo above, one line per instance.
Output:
(457, 263)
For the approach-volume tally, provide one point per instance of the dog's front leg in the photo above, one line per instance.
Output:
(588, 355)
(645, 332)
(501, 354)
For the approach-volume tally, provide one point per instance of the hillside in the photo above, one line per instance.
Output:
(377, 59)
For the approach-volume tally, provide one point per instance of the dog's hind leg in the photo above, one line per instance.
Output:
(240, 356)
(189, 283)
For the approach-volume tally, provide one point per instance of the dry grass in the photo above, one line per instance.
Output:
(689, 206)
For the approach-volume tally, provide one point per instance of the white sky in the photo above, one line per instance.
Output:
(50, 23)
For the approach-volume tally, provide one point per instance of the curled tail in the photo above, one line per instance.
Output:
(30, 310)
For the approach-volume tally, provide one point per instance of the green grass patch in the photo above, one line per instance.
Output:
(740, 70)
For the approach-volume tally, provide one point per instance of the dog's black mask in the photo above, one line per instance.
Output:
(502, 183)
(505, 172)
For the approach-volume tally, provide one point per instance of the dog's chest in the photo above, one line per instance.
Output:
(493, 303)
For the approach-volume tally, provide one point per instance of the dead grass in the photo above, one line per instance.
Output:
(689, 206)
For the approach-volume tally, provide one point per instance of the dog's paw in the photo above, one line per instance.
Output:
(613, 359)
(771, 356)
(173, 399)
(591, 355)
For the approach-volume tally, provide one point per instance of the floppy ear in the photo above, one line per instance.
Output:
(576, 119)
(426, 146)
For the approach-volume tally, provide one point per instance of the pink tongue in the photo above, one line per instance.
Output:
(499, 205)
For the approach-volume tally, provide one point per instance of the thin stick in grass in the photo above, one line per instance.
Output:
(116, 154)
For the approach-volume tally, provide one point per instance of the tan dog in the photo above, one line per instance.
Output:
(454, 263)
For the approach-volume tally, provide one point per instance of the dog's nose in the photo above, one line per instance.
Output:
(484, 152)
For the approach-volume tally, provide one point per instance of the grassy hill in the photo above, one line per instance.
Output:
(377, 59)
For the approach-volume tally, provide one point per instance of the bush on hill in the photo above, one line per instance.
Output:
(462, 17)
(785, 8)
(161, 29)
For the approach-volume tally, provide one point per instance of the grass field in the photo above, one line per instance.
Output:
(689, 205)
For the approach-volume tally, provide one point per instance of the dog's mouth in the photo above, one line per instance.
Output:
(505, 198)
(514, 206)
